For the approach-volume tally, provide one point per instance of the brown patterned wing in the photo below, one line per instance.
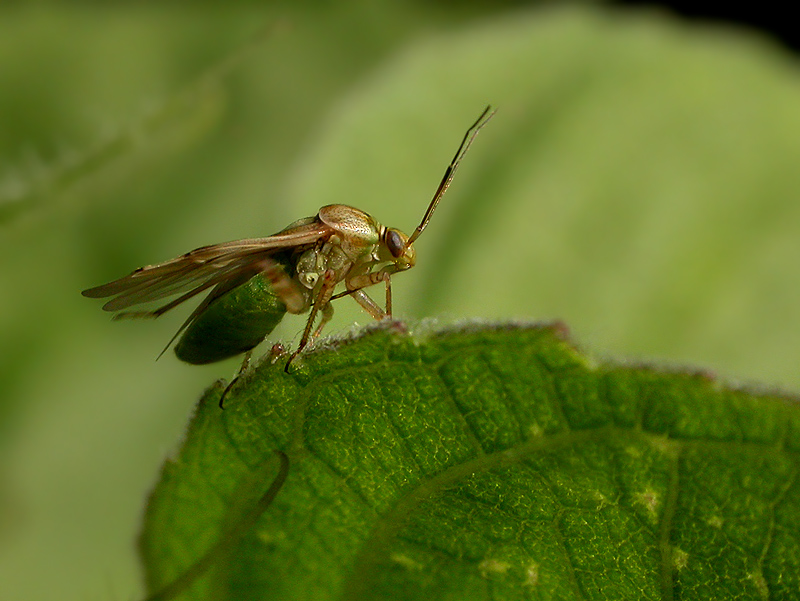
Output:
(201, 269)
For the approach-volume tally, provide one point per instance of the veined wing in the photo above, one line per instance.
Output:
(201, 269)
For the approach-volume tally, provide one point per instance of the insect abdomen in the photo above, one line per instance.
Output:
(233, 324)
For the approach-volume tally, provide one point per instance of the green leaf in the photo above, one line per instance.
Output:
(483, 461)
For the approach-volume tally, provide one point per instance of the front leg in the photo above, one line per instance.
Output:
(370, 306)
(357, 283)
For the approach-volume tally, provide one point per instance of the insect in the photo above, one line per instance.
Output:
(254, 282)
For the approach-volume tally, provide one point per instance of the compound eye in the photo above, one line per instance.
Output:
(395, 242)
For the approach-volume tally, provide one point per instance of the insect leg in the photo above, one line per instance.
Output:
(276, 352)
(327, 315)
(329, 281)
(388, 305)
(242, 369)
(284, 287)
(370, 306)
(365, 280)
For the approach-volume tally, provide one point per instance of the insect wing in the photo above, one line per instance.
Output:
(201, 269)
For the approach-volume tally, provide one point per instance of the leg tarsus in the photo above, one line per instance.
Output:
(327, 315)
(245, 365)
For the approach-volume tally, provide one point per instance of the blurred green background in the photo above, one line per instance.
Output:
(639, 181)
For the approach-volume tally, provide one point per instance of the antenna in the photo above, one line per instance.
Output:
(487, 114)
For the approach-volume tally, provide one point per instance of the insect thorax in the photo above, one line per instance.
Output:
(310, 266)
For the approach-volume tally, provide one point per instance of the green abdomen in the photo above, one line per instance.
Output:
(233, 324)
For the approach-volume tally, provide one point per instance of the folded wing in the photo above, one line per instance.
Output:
(226, 265)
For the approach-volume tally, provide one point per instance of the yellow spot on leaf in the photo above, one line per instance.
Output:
(405, 561)
(633, 451)
(761, 584)
(680, 558)
(493, 566)
(650, 500)
(715, 522)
